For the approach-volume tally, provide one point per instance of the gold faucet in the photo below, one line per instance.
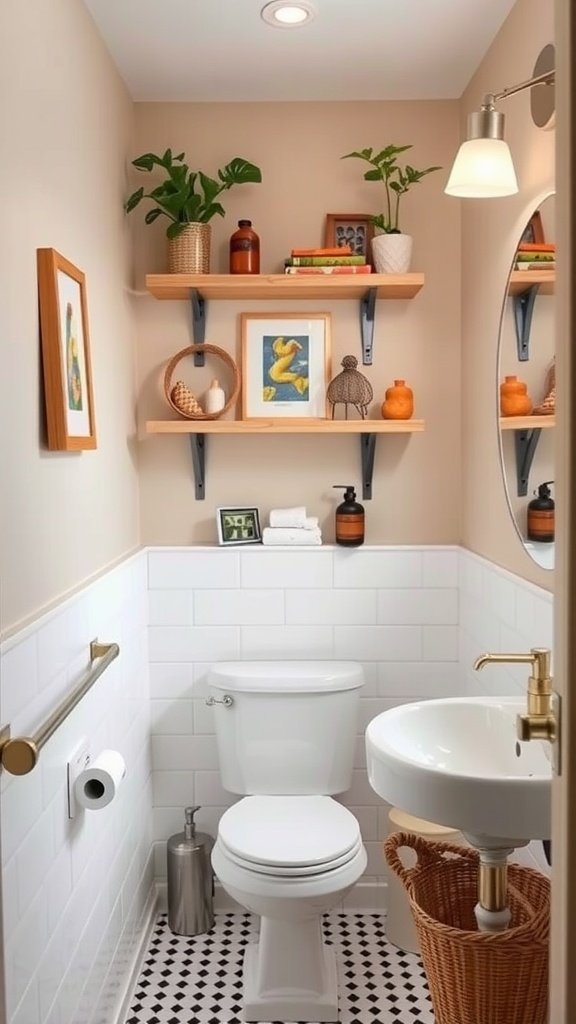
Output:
(540, 723)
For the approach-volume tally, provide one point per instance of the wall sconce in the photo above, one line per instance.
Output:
(483, 167)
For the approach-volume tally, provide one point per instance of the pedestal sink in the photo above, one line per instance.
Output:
(458, 762)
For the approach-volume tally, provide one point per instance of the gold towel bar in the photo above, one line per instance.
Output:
(20, 755)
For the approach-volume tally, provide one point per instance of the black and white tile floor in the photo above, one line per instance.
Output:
(199, 980)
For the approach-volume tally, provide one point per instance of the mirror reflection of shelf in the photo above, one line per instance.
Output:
(521, 280)
(526, 422)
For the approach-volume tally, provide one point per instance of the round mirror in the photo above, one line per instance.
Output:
(527, 386)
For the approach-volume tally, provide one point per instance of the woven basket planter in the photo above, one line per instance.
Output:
(476, 977)
(189, 252)
(170, 380)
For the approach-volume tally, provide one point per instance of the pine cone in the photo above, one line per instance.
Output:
(185, 400)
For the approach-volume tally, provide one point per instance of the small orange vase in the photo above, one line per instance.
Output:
(514, 398)
(399, 404)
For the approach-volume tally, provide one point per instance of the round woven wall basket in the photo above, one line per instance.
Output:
(170, 379)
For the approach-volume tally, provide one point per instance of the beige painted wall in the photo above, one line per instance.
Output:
(490, 230)
(66, 124)
(298, 146)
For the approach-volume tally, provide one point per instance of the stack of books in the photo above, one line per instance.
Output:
(536, 256)
(337, 260)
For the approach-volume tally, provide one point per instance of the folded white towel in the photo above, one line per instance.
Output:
(288, 517)
(283, 535)
(311, 523)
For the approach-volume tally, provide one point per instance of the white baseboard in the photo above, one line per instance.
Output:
(149, 915)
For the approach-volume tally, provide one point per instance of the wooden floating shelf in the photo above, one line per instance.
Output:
(521, 280)
(286, 427)
(526, 422)
(285, 286)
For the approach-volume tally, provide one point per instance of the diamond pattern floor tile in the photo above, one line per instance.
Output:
(199, 980)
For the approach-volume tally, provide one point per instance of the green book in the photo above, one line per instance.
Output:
(325, 261)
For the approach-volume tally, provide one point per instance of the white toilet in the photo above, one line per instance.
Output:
(287, 851)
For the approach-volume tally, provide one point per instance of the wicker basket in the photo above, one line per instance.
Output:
(189, 252)
(476, 977)
(190, 351)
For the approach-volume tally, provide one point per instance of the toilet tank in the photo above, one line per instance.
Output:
(291, 726)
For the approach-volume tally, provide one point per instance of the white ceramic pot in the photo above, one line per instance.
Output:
(392, 253)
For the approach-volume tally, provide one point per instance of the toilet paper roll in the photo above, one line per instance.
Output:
(98, 784)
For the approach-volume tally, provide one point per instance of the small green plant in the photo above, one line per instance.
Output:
(187, 196)
(397, 180)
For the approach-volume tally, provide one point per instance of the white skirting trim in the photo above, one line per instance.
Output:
(149, 915)
(368, 897)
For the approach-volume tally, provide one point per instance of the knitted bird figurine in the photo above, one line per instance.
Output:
(187, 404)
(350, 387)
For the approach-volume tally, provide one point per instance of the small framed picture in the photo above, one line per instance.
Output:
(65, 353)
(285, 366)
(353, 229)
(534, 230)
(240, 525)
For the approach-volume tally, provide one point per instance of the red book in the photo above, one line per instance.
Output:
(363, 268)
(340, 250)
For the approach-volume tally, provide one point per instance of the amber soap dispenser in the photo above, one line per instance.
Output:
(349, 519)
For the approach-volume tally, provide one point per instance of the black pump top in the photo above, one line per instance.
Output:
(350, 493)
(544, 489)
(244, 223)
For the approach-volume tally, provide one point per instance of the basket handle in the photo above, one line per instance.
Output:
(427, 851)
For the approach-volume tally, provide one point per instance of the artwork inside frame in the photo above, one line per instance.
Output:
(285, 366)
(65, 343)
(238, 525)
(353, 229)
(534, 231)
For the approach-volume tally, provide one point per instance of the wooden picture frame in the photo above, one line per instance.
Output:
(238, 525)
(285, 366)
(534, 230)
(354, 229)
(65, 343)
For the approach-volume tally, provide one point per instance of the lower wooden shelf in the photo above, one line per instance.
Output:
(527, 430)
(367, 430)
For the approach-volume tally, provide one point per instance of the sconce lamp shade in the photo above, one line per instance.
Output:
(483, 169)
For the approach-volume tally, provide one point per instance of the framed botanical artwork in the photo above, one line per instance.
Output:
(239, 525)
(353, 229)
(285, 365)
(65, 353)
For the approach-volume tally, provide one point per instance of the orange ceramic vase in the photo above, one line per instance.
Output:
(399, 404)
(514, 399)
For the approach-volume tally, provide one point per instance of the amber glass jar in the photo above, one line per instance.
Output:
(514, 398)
(399, 404)
(244, 250)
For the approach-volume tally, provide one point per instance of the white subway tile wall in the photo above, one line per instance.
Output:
(75, 891)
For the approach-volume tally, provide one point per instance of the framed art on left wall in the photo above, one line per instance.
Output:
(65, 341)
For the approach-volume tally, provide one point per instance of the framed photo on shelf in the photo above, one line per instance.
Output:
(534, 230)
(353, 229)
(239, 525)
(65, 353)
(285, 365)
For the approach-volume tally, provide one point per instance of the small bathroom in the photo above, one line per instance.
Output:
(208, 749)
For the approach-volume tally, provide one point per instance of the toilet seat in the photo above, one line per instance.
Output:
(289, 836)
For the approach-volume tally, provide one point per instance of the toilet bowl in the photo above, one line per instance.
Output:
(287, 851)
(289, 860)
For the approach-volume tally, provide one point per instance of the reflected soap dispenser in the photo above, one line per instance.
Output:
(540, 517)
(349, 519)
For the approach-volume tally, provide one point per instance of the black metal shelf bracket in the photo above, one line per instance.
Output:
(367, 452)
(523, 309)
(198, 447)
(199, 312)
(525, 443)
(367, 314)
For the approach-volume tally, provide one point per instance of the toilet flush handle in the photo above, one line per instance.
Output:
(227, 701)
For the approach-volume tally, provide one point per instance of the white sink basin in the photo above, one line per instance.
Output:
(458, 762)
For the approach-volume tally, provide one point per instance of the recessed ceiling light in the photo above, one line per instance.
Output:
(284, 15)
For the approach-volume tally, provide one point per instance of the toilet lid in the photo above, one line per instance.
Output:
(290, 834)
